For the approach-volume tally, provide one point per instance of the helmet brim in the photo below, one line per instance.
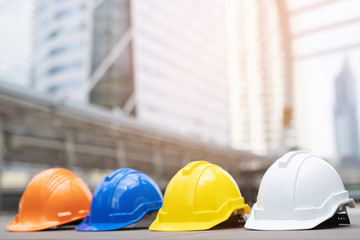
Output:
(194, 226)
(16, 226)
(182, 226)
(275, 225)
(86, 226)
(101, 226)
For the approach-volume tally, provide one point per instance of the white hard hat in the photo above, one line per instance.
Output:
(298, 191)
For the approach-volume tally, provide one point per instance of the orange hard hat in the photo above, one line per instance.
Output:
(53, 197)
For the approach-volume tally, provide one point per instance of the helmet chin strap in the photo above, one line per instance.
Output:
(340, 217)
(234, 221)
(70, 225)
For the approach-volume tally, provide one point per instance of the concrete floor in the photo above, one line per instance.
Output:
(140, 232)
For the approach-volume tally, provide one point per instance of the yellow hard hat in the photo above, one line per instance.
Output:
(200, 196)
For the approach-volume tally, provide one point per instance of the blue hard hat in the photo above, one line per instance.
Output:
(123, 197)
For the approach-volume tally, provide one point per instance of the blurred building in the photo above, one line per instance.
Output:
(345, 113)
(171, 74)
(110, 21)
(62, 49)
(258, 88)
(180, 63)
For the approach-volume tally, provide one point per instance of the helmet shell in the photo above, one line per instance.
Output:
(298, 191)
(200, 196)
(53, 197)
(120, 199)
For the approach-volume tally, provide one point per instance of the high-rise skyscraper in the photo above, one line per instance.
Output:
(258, 87)
(180, 66)
(62, 49)
(345, 113)
(171, 74)
(110, 21)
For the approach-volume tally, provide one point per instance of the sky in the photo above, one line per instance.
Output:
(318, 73)
(15, 40)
